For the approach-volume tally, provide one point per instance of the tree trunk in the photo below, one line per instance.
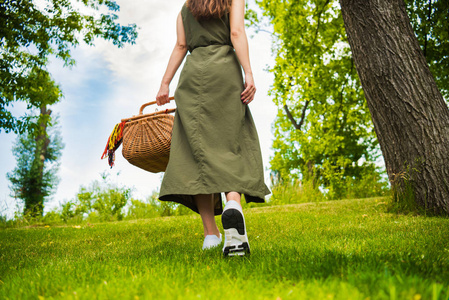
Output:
(410, 117)
(35, 203)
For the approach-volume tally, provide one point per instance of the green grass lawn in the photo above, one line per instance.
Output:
(349, 249)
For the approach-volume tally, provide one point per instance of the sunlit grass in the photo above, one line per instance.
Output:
(348, 249)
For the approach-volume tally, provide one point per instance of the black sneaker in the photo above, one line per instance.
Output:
(236, 241)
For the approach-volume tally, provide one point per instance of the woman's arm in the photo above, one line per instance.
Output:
(178, 54)
(240, 43)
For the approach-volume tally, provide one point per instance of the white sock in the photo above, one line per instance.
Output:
(233, 203)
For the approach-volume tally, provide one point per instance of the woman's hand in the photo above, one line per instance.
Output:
(162, 95)
(250, 89)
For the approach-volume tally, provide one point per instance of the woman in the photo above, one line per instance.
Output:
(215, 147)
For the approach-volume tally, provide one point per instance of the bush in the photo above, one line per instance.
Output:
(4, 222)
(100, 201)
(143, 209)
(368, 182)
(297, 191)
(106, 203)
(140, 210)
(152, 207)
(371, 184)
(52, 217)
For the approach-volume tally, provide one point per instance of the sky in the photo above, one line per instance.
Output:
(109, 84)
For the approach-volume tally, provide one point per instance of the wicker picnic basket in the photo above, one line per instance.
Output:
(147, 139)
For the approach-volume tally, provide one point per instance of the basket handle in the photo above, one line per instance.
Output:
(151, 103)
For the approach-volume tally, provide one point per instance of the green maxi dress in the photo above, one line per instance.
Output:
(215, 147)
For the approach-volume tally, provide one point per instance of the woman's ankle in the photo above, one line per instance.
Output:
(212, 232)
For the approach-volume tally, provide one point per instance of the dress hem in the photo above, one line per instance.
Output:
(188, 201)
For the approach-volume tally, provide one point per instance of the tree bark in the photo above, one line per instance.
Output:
(410, 116)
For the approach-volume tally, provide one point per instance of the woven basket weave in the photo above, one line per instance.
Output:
(147, 139)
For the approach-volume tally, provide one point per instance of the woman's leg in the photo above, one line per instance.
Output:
(205, 204)
(233, 196)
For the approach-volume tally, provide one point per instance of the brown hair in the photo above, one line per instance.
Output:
(208, 9)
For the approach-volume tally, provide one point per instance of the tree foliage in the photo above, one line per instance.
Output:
(37, 155)
(323, 129)
(430, 21)
(32, 31)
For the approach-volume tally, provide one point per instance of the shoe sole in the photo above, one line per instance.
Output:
(236, 241)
